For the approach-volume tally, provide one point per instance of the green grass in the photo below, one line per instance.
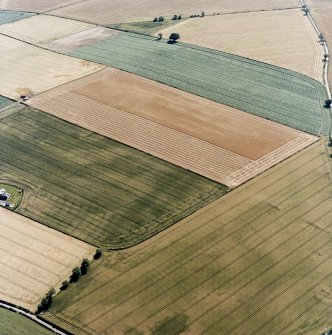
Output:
(145, 27)
(15, 194)
(265, 90)
(91, 187)
(12, 323)
(11, 16)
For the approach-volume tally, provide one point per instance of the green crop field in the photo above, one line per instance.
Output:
(4, 102)
(91, 187)
(11, 16)
(12, 323)
(265, 90)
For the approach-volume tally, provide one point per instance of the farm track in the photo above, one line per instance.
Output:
(278, 229)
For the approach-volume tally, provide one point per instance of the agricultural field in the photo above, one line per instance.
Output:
(4, 102)
(34, 5)
(29, 70)
(80, 39)
(119, 11)
(321, 11)
(284, 38)
(7, 17)
(34, 259)
(36, 29)
(194, 133)
(91, 187)
(256, 261)
(267, 91)
(15, 324)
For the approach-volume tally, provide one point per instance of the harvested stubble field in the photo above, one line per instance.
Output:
(93, 188)
(15, 324)
(34, 5)
(257, 261)
(42, 29)
(7, 17)
(265, 90)
(284, 38)
(34, 258)
(118, 11)
(26, 69)
(216, 141)
(321, 11)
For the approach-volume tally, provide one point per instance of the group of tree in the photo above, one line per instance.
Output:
(76, 274)
(176, 17)
(159, 19)
(197, 15)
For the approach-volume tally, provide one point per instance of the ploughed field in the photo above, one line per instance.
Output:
(91, 187)
(256, 261)
(265, 90)
(34, 259)
(34, 5)
(284, 38)
(15, 324)
(11, 16)
(28, 70)
(214, 140)
(105, 11)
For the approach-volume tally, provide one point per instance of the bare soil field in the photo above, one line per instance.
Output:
(321, 11)
(34, 259)
(213, 140)
(41, 29)
(118, 11)
(34, 5)
(80, 39)
(28, 70)
(284, 38)
(257, 261)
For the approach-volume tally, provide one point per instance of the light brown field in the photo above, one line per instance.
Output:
(80, 39)
(321, 11)
(284, 38)
(43, 28)
(117, 11)
(256, 261)
(216, 141)
(34, 259)
(26, 69)
(34, 5)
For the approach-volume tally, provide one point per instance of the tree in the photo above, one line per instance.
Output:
(155, 19)
(75, 275)
(161, 19)
(174, 37)
(328, 103)
(99, 251)
(175, 17)
(84, 266)
(65, 284)
(47, 301)
(179, 17)
(160, 36)
(203, 14)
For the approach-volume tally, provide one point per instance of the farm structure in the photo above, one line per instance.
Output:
(34, 259)
(277, 94)
(15, 324)
(284, 38)
(27, 70)
(105, 12)
(36, 29)
(33, 5)
(256, 261)
(93, 188)
(216, 141)
(7, 17)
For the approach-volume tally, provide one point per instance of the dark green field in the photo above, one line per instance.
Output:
(91, 187)
(277, 94)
